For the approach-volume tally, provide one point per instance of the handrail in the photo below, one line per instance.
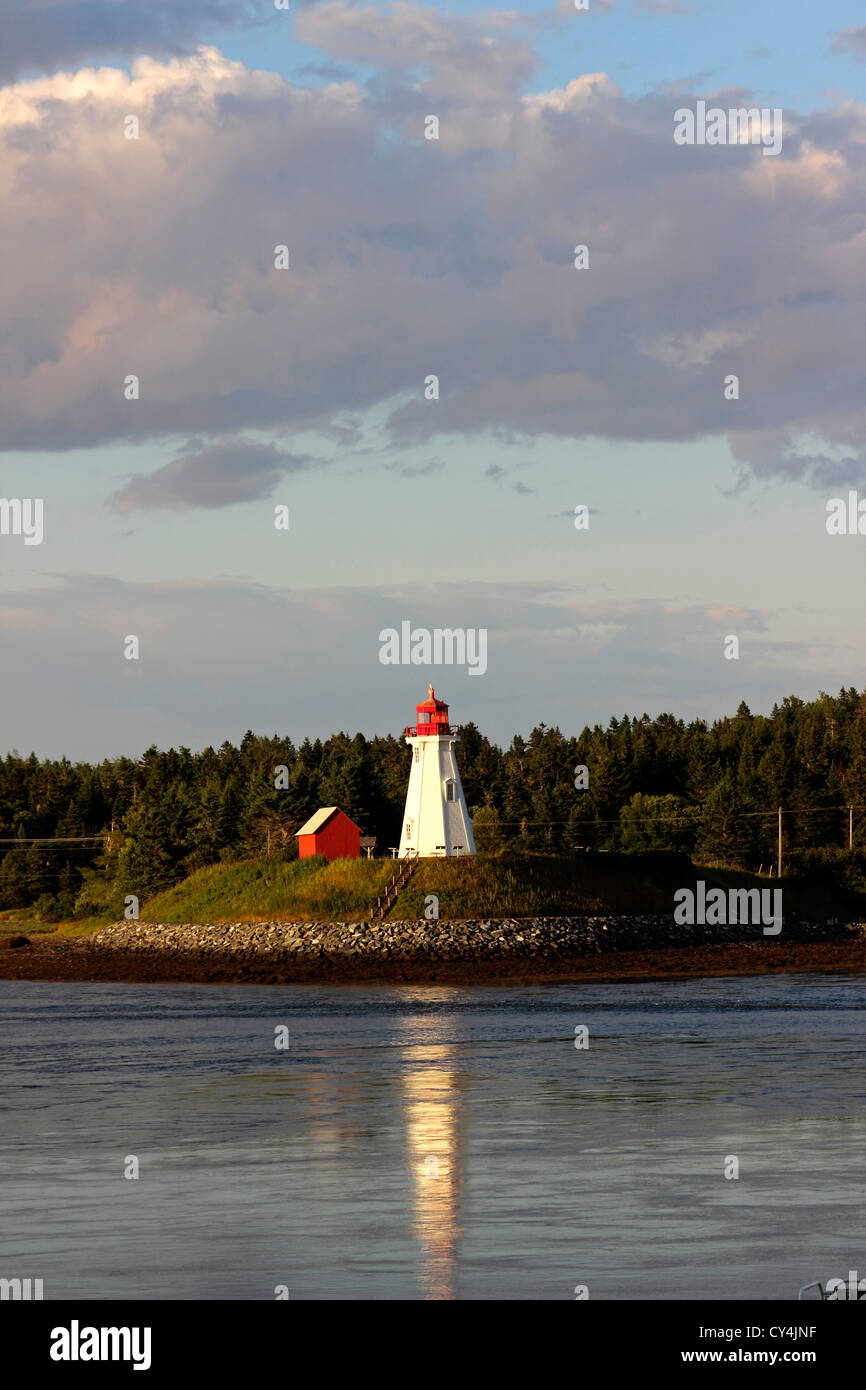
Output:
(395, 883)
(428, 730)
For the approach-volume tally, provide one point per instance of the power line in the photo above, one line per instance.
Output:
(688, 815)
(57, 839)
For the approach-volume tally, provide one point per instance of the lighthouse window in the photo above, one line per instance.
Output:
(417, 754)
(425, 717)
(449, 790)
(408, 830)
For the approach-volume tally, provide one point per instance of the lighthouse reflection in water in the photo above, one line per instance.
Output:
(433, 1089)
(436, 1142)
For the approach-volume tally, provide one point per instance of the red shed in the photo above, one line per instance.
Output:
(331, 833)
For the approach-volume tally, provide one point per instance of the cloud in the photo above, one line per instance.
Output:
(774, 453)
(567, 7)
(693, 350)
(654, 6)
(476, 53)
(45, 35)
(688, 7)
(411, 256)
(219, 657)
(850, 41)
(217, 474)
(497, 474)
(420, 470)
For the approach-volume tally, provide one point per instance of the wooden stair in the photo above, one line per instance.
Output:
(396, 883)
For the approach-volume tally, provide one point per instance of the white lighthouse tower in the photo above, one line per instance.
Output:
(436, 821)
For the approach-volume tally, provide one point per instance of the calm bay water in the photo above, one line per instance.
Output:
(434, 1142)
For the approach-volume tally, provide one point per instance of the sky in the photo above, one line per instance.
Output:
(261, 387)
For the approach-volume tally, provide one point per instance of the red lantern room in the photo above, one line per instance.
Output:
(431, 717)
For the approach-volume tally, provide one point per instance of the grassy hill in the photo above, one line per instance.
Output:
(314, 890)
(265, 889)
(480, 886)
(541, 886)
(558, 887)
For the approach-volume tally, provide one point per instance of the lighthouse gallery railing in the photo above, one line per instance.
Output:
(419, 730)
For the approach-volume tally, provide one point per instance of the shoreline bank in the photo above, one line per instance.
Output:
(482, 951)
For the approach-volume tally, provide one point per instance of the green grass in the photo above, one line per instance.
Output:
(536, 886)
(511, 886)
(481, 886)
(267, 889)
(22, 922)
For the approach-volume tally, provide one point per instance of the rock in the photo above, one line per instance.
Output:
(414, 941)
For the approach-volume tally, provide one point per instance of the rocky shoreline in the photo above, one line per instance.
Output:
(451, 939)
(472, 951)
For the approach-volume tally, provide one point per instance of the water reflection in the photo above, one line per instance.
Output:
(436, 1143)
(432, 1087)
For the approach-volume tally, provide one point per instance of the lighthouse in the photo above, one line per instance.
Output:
(436, 821)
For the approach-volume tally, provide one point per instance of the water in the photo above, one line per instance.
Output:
(434, 1142)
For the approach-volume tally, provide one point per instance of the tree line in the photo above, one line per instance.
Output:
(708, 790)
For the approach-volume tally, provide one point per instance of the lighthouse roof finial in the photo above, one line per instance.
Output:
(430, 691)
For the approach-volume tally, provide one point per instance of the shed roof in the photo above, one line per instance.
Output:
(321, 818)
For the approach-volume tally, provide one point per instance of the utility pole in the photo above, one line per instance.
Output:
(780, 843)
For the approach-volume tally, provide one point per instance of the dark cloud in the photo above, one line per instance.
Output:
(412, 257)
(47, 35)
(774, 453)
(217, 474)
